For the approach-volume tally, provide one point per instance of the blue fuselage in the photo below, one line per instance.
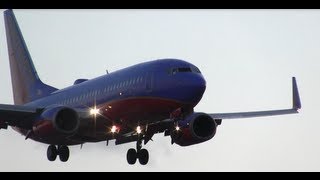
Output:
(140, 94)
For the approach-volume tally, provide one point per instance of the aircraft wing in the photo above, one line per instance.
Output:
(296, 105)
(17, 115)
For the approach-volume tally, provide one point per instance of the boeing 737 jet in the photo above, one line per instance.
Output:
(128, 105)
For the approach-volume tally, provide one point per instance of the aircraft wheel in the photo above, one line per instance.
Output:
(143, 156)
(132, 156)
(52, 153)
(64, 153)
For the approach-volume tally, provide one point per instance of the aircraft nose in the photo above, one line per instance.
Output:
(193, 88)
(200, 82)
(199, 85)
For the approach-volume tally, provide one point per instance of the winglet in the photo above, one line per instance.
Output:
(295, 95)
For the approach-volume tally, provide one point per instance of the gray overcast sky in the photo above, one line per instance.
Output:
(247, 57)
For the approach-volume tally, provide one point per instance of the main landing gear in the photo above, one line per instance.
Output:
(62, 151)
(141, 154)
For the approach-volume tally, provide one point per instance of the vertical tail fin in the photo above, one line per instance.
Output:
(26, 84)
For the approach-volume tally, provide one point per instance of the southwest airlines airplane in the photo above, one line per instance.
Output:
(129, 105)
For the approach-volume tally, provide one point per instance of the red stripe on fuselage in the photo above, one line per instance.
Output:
(141, 109)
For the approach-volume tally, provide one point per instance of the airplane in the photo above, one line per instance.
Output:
(128, 105)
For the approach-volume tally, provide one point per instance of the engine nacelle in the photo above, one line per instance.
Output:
(57, 119)
(196, 128)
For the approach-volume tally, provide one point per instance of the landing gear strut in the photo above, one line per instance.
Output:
(141, 154)
(62, 151)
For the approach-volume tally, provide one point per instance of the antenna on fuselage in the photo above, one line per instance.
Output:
(107, 71)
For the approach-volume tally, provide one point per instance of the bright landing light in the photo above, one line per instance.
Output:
(114, 129)
(94, 111)
(177, 128)
(139, 129)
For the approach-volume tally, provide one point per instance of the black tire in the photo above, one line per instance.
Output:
(132, 156)
(64, 153)
(52, 153)
(143, 156)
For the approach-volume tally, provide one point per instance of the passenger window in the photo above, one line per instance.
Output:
(174, 71)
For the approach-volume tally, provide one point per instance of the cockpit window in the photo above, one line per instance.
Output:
(175, 70)
(184, 70)
(195, 69)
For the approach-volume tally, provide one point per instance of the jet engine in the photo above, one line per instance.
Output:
(196, 128)
(58, 119)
